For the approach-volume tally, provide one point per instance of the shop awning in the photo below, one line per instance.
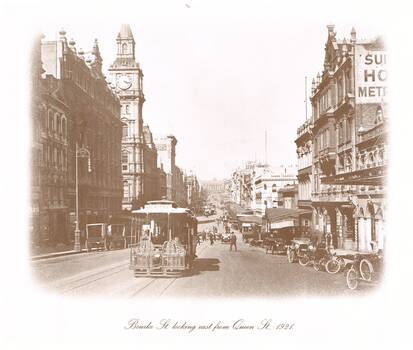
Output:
(282, 214)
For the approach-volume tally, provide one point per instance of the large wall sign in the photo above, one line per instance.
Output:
(371, 75)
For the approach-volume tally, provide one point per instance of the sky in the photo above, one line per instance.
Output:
(218, 76)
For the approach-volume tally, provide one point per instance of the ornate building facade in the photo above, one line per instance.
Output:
(349, 145)
(76, 109)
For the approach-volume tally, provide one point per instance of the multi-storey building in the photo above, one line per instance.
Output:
(152, 175)
(266, 183)
(166, 148)
(349, 147)
(305, 166)
(288, 197)
(193, 192)
(180, 187)
(126, 79)
(79, 110)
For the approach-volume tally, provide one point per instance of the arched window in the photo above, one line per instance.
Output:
(124, 48)
(371, 160)
(50, 125)
(274, 188)
(58, 124)
(126, 190)
(265, 186)
(127, 109)
(64, 127)
(379, 115)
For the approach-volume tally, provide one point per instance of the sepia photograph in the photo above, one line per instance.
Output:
(230, 172)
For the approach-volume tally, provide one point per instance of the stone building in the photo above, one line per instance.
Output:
(49, 156)
(126, 79)
(349, 145)
(77, 109)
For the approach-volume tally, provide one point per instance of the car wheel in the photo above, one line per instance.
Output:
(333, 266)
(303, 260)
(366, 269)
(351, 279)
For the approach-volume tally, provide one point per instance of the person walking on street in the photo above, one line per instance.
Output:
(233, 241)
(211, 238)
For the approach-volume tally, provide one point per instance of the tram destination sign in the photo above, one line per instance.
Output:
(370, 75)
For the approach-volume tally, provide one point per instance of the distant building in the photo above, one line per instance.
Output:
(288, 197)
(266, 183)
(304, 144)
(166, 149)
(214, 186)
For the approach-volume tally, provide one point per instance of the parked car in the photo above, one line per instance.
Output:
(297, 248)
(96, 236)
(275, 245)
(116, 236)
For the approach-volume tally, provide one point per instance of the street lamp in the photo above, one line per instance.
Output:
(80, 153)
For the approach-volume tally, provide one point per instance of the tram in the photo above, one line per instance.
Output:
(166, 242)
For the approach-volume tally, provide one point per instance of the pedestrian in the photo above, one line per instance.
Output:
(211, 238)
(233, 241)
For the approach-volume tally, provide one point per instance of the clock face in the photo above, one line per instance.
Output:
(124, 82)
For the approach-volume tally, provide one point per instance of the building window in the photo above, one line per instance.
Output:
(265, 186)
(58, 124)
(126, 190)
(340, 90)
(348, 130)
(125, 131)
(274, 188)
(64, 127)
(127, 109)
(51, 122)
(124, 48)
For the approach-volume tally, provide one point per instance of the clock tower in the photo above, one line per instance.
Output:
(126, 78)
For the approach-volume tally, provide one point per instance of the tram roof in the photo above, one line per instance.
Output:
(160, 210)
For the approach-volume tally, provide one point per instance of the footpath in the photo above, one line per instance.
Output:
(60, 249)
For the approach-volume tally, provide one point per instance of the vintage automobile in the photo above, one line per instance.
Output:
(317, 254)
(96, 236)
(297, 248)
(116, 236)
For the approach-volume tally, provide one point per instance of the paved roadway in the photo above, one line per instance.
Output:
(217, 272)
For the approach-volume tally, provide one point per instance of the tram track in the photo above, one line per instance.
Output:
(72, 285)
